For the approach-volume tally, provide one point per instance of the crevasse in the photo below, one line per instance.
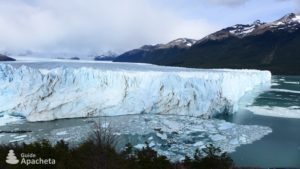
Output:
(59, 93)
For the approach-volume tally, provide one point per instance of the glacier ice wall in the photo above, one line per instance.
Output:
(41, 95)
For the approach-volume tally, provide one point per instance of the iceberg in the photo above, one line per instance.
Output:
(275, 111)
(65, 92)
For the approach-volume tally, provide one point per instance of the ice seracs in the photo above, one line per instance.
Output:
(41, 95)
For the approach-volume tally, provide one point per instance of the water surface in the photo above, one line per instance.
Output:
(281, 148)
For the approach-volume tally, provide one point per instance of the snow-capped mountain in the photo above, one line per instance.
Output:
(273, 46)
(106, 56)
(238, 30)
(180, 43)
(290, 22)
(166, 51)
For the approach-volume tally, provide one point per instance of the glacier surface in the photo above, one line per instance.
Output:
(65, 92)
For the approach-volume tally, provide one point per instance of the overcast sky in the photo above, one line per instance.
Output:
(86, 26)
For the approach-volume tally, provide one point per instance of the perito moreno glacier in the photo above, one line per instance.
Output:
(65, 92)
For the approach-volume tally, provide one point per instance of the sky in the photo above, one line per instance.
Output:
(97, 26)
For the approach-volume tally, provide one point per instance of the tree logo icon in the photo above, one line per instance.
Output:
(11, 158)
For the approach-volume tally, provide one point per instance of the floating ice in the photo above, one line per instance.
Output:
(285, 91)
(139, 146)
(16, 140)
(285, 112)
(61, 133)
(21, 136)
(193, 133)
(175, 143)
(5, 119)
(289, 82)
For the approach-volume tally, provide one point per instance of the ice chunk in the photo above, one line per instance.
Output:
(225, 126)
(61, 133)
(5, 119)
(16, 140)
(217, 137)
(162, 136)
(288, 82)
(198, 144)
(234, 141)
(139, 146)
(151, 144)
(21, 136)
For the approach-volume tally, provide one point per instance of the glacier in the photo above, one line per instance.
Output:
(65, 92)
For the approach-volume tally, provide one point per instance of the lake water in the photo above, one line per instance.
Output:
(281, 148)
(278, 109)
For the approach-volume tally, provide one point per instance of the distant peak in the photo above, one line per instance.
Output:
(288, 17)
(257, 22)
(291, 15)
(183, 42)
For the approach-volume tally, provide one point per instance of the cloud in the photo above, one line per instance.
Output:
(227, 2)
(296, 3)
(87, 26)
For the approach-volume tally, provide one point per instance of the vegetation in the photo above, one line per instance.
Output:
(99, 152)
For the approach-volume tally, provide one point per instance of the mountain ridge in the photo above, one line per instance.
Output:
(6, 58)
(268, 46)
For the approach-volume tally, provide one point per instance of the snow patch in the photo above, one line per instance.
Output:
(297, 18)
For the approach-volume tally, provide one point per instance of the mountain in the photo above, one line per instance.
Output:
(107, 56)
(157, 54)
(273, 46)
(74, 58)
(6, 58)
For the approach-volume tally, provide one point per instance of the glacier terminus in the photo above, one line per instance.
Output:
(40, 94)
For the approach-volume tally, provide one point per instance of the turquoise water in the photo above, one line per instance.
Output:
(281, 148)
